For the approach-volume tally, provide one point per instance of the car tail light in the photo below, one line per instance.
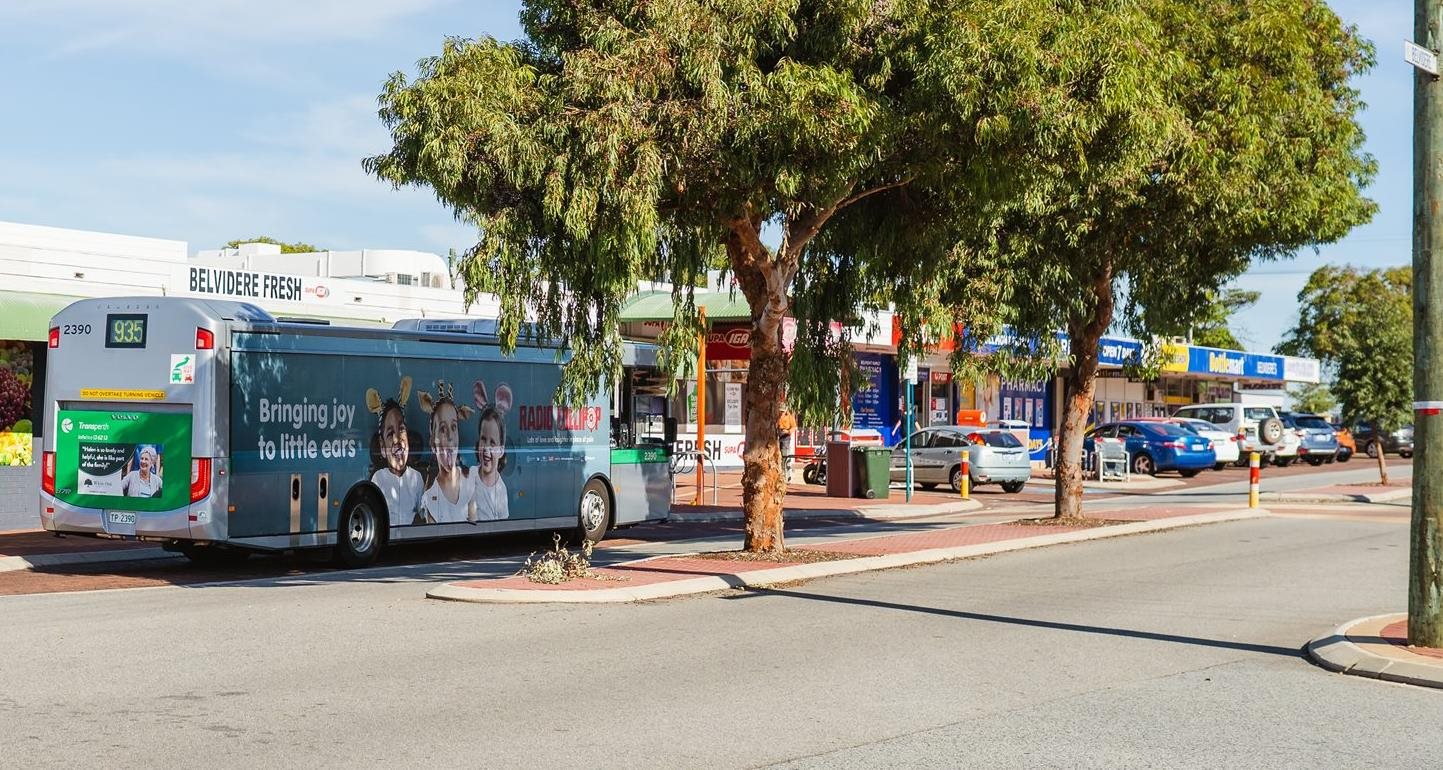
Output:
(199, 478)
(47, 472)
(54, 337)
(204, 339)
(1175, 444)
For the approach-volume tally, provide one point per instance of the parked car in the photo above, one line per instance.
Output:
(1258, 428)
(1399, 442)
(1346, 446)
(1227, 446)
(1158, 446)
(1317, 441)
(994, 456)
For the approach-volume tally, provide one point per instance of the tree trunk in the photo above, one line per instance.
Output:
(1382, 461)
(1080, 384)
(763, 488)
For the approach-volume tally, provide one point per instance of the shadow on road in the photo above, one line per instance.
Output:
(1030, 622)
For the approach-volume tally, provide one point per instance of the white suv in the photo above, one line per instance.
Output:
(1259, 426)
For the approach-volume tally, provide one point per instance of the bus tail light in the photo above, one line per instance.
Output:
(199, 478)
(47, 471)
(204, 339)
(54, 337)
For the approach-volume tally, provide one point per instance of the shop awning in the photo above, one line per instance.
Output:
(26, 316)
(656, 306)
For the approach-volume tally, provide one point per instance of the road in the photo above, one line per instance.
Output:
(1175, 649)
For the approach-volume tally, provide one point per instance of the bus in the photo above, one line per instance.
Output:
(218, 430)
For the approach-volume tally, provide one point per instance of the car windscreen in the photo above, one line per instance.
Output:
(1165, 429)
(1193, 426)
(1312, 422)
(1001, 439)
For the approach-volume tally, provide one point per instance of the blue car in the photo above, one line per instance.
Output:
(1157, 446)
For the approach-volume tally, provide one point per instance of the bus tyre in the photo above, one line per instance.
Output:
(594, 511)
(359, 536)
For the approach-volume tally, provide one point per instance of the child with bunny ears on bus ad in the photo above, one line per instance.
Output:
(489, 490)
(399, 483)
(448, 499)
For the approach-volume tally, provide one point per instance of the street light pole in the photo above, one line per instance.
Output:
(1425, 565)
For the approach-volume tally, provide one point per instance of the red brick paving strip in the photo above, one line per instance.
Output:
(33, 542)
(1397, 633)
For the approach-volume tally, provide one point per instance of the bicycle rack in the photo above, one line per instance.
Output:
(678, 469)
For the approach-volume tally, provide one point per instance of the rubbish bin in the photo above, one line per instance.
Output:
(841, 480)
(875, 464)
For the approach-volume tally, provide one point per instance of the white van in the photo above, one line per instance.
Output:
(1259, 426)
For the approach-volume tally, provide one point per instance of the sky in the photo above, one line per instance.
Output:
(211, 120)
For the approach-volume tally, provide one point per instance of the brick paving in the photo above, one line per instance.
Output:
(35, 542)
(1397, 633)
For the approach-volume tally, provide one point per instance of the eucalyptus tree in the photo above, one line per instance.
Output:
(835, 155)
(1239, 145)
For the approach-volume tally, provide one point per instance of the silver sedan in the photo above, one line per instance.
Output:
(993, 457)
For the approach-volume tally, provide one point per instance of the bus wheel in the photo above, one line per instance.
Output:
(358, 539)
(595, 511)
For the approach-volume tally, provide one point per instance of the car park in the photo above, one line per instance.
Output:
(1317, 441)
(994, 456)
(1156, 446)
(1399, 441)
(1257, 427)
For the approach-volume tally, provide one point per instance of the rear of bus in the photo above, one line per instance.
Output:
(135, 445)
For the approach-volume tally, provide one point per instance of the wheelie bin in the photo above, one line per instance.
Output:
(875, 465)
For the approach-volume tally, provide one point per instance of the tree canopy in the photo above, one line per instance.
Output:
(971, 164)
(1360, 325)
(286, 248)
(1214, 325)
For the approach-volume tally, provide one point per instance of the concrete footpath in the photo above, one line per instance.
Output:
(671, 576)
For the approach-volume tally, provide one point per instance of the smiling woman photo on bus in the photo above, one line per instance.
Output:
(400, 484)
(144, 481)
(448, 499)
(489, 489)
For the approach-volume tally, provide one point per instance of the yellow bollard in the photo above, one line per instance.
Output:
(966, 484)
(1254, 472)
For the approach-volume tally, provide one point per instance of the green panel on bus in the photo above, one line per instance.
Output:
(124, 460)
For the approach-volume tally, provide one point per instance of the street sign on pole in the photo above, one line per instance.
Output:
(1420, 57)
(910, 373)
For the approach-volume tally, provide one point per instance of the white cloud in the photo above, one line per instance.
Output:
(75, 26)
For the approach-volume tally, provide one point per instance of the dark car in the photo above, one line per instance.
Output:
(1156, 446)
(1317, 441)
(1399, 442)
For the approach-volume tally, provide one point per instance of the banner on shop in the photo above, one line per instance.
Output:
(872, 401)
(1232, 363)
(249, 285)
(1039, 443)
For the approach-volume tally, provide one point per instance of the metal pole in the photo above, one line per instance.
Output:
(701, 408)
(907, 434)
(965, 487)
(1425, 564)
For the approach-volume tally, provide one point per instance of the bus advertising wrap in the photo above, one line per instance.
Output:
(126, 460)
(442, 441)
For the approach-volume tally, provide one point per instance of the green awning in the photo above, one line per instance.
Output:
(26, 316)
(656, 306)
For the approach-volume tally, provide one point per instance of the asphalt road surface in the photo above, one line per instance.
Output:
(1175, 649)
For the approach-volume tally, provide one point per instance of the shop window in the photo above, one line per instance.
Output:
(17, 379)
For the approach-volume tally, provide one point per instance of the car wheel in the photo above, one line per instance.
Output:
(809, 474)
(955, 479)
(927, 485)
(1013, 487)
(1405, 455)
(1344, 456)
(1283, 462)
(1316, 461)
(1371, 449)
(359, 536)
(1219, 466)
(1143, 465)
(1190, 472)
(594, 511)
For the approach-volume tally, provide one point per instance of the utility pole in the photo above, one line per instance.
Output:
(1425, 564)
